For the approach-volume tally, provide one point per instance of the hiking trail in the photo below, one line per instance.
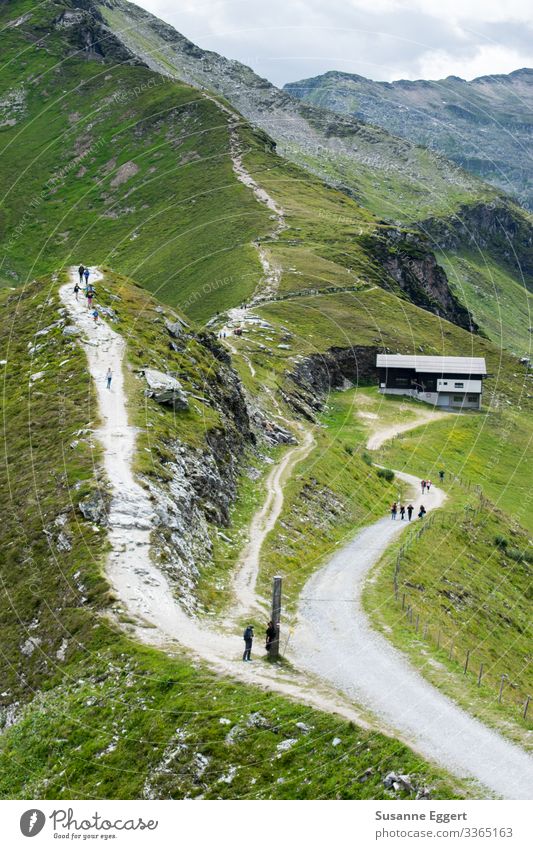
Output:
(342, 661)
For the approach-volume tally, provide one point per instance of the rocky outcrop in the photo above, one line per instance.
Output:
(95, 507)
(166, 390)
(86, 31)
(338, 368)
(201, 481)
(408, 260)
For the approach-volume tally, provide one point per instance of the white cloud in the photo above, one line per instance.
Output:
(383, 39)
(489, 59)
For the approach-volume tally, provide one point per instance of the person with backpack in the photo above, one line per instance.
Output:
(428, 485)
(76, 290)
(422, 486)
(394, 510)
(81, 269)
(95, 315)
(402, 512)
(248, 637)
(421, 512)
(89, 299)
(410, 509)
(86, 273)
(441, 476)
(271, 634)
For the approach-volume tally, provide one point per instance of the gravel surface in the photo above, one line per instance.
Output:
(335, 641)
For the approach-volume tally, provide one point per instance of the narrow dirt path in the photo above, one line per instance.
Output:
(262, 523)
(144, 592)
(383, 434)
(269, 283)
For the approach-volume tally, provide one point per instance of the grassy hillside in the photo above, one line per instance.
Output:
(132, 169)
(87, 713)
(498, 299)
(121, 166)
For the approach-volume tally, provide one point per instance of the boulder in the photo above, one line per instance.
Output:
(94, 509)
(108, 312)
(71, 330)
(158, 380)
(166, 390)
(175, 328)
(174, 398)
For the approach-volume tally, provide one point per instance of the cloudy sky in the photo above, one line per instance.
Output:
(287, 40)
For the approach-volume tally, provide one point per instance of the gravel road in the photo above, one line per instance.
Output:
(335, 641)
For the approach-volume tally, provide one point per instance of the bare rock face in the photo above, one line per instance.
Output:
(315, 376)
(413, 269)
(175, 328)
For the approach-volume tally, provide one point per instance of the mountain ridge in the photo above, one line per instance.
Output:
(481, 124)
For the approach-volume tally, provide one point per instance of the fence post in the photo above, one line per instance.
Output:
(480, 676)
(501, 687)
(466, 661)
(276, 616)
(526, 706)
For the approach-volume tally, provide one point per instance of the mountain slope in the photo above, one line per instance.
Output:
(387, 174)
(484, 125)
(146, 174)
(119, 165)
(395, 179)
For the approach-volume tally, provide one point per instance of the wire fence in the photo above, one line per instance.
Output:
(469, 660)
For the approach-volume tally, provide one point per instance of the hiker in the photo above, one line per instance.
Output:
(402, 512)
(76, 290)
(423, 486)
(394, 510)
(109, 378)
(89, 300)
(95, 315)
(421, 512)
(428, 485)
(81, 269)
(86, 273)
(441, 476)
(271, 634)
(248, 640)
(410, 509)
